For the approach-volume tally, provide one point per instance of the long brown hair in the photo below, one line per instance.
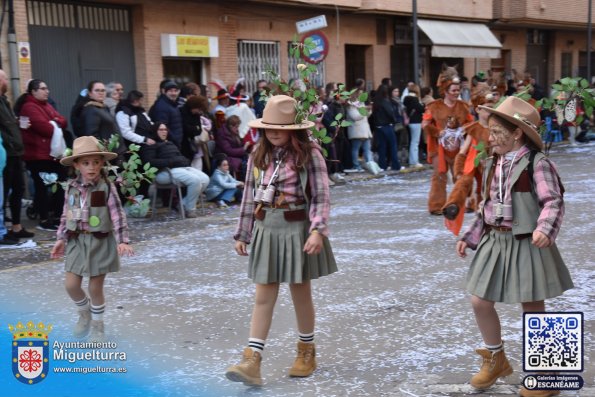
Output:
(299, 147)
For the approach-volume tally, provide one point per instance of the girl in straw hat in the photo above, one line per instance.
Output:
(92, 232)
(517, 260)
(284, 215)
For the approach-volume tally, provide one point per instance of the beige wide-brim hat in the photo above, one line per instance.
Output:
(87, 146)
(522, 114)
(279, 114)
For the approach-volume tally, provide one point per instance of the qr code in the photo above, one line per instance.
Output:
(553, 341)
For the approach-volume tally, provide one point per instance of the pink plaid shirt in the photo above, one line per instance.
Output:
(547, 189)
(289, 184)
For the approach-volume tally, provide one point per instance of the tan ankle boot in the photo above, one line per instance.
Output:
(305, 362)
(524, 392)
(83, 324)
(97, 331)
(248, 370)
(495, 365)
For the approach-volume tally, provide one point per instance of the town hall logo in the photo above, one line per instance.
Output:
(30, 351)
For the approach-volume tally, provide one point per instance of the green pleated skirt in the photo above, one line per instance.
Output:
(277, 251)
(508, 270)
(89, 256)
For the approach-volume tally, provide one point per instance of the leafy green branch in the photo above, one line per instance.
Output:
(567, 95)
(132, 172)
(306, 95)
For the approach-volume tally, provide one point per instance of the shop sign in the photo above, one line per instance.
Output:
(189, 46)
(320, 51)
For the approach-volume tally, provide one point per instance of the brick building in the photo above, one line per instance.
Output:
(139, 42)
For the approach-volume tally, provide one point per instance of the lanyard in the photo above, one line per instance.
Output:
(275, 173)
(501, 198)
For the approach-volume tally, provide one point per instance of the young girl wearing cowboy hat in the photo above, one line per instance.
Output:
(519, 218)
(92, 213)
(283, 216)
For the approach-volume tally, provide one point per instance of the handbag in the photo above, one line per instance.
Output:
(398, 127)
(58, 144)
(405, 119)
(204, 136)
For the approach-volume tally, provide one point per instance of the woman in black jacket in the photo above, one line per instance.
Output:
(414, 110)
(384, 121)
(174, 167)
(96, 120)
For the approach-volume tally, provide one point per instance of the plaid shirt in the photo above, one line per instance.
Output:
(288, 183)
(547, 189)
(117, 214)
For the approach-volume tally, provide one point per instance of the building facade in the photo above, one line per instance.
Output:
(140, 42)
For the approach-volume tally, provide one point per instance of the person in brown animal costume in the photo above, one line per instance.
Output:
(433, 124)
(466, 170)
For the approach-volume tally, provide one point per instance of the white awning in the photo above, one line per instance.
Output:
(460, 40)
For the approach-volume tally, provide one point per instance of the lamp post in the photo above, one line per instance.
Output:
(589, 45)
(415, 45)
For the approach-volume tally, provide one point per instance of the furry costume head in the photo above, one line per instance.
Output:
(447, 76)
(482, 95)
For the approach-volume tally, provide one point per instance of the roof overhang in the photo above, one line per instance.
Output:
(460, 39)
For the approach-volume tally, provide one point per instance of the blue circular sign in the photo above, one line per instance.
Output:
(320, 50)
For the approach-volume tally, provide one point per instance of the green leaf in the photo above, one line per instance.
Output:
(54, 188)
(363, 97)
(327, 139)
(584, 83)
(339, 116)
(346, 123)
(297, 94)
(146, 166)
(312, 117)
(566, 81)
(363, 111)
(306, 51)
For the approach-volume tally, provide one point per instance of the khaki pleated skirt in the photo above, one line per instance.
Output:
(89, 256)
(277, 251)
(508, 270)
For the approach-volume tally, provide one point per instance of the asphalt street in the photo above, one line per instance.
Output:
(394, 321)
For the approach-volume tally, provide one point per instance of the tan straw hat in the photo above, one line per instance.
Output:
(280, 113)
(522, 114)
(87, 146)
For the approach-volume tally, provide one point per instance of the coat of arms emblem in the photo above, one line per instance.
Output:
(30, 351)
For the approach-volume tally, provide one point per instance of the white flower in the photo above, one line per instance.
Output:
(301, 66)
(48, 178)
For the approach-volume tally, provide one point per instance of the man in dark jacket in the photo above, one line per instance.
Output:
(13, 172)
(165, 109)
(174, 167)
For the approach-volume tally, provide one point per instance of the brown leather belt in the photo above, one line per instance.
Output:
(286, 206)
(499, 228)
(72, 234)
